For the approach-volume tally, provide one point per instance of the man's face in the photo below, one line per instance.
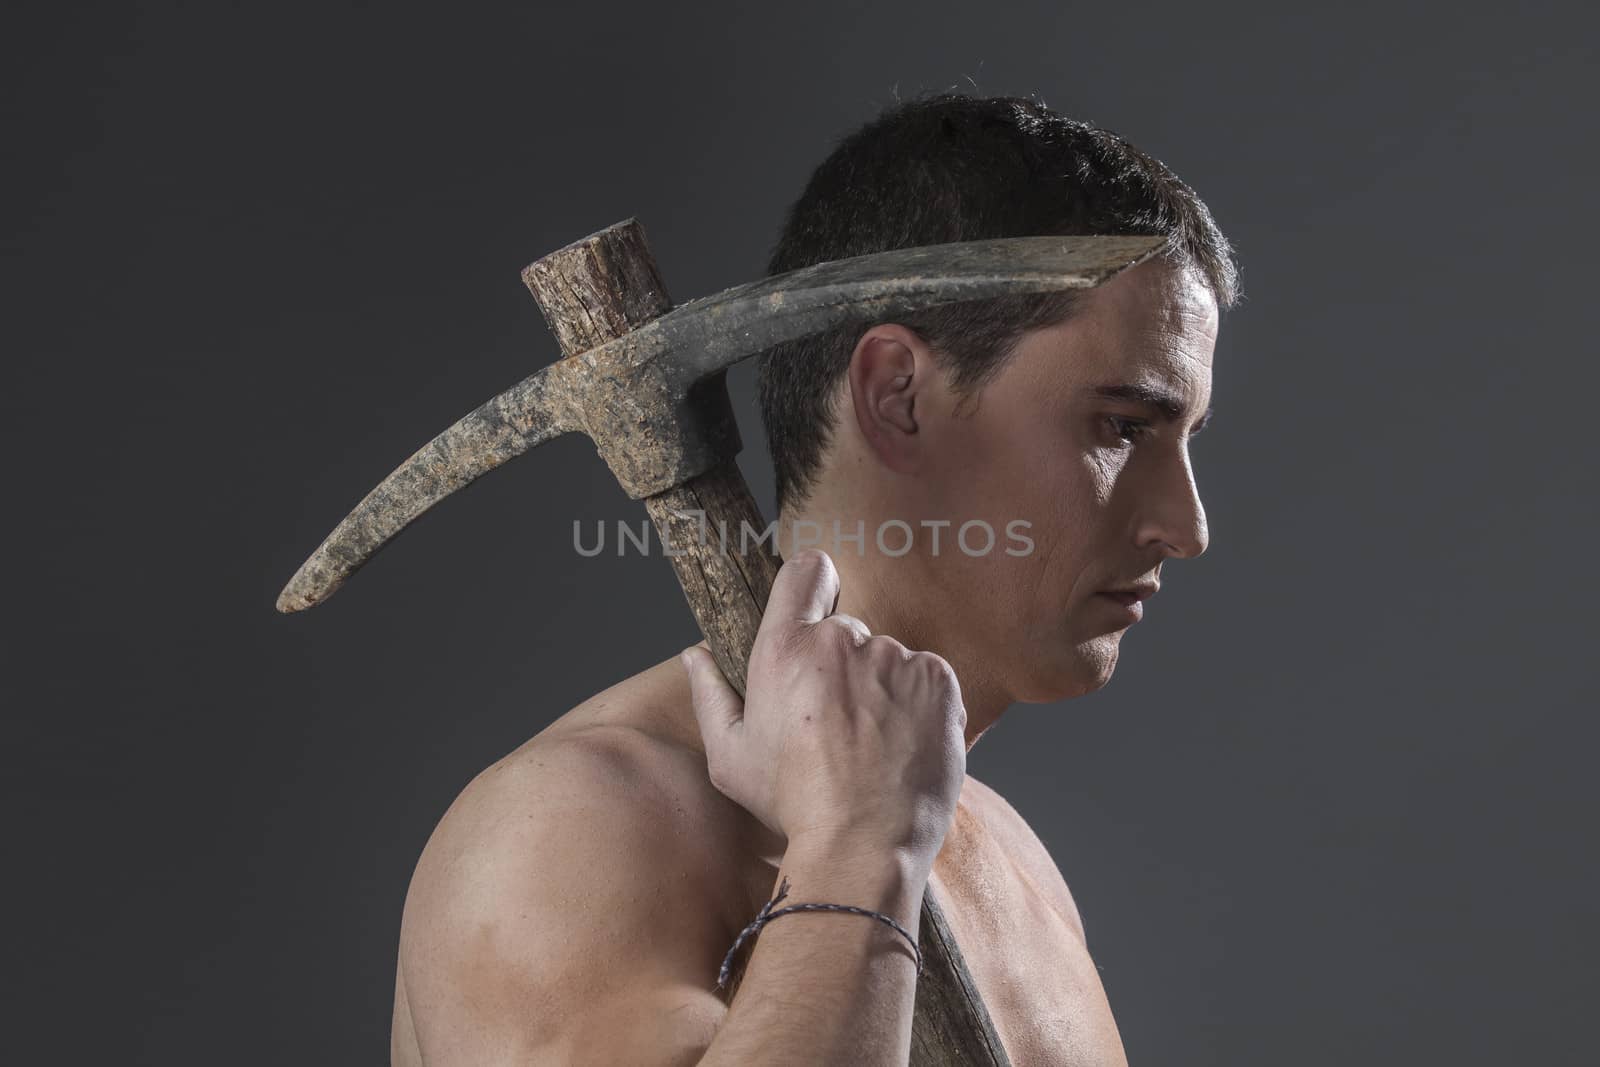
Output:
(1061, 438)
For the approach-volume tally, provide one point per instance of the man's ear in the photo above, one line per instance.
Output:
(889, 377)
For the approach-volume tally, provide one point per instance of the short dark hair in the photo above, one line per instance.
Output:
(947, 168)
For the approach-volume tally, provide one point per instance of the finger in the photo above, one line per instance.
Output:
(717, 707)
(804, 592)
(848, 622)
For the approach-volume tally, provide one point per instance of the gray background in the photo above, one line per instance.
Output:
(1334, 807)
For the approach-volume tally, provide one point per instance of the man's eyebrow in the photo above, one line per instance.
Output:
(1162, 399)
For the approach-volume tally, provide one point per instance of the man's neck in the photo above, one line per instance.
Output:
(865, 593)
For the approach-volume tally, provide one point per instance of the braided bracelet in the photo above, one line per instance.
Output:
(766, 915)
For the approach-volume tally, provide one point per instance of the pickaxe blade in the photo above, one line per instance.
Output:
(628, 394)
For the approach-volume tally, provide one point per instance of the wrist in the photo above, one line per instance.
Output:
(836, 869)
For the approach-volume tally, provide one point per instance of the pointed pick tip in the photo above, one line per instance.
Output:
(290, 602)
(301, 593)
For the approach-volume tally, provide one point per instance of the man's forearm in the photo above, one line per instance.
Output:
(829, 987)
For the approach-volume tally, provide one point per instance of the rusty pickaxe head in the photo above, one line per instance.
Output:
(653, 400)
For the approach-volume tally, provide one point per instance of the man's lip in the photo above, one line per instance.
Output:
(1132, 593)
(1129, 603)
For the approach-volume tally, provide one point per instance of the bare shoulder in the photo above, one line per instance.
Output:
(536, 905)
(1012, 832)
(596, 778)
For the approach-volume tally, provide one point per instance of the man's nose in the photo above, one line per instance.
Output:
(1174, 516)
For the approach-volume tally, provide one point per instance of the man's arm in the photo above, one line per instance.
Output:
(558, 916)
(830, 987)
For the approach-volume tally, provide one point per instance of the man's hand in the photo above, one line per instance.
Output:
(843, 737)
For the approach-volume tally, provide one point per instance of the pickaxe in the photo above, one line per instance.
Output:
(647, 383)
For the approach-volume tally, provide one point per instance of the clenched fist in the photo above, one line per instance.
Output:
(843, 737)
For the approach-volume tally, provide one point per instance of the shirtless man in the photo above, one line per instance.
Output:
(576, 901)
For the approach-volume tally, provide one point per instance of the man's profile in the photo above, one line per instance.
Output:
(575, 903)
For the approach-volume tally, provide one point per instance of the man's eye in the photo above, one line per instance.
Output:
(1129, 430)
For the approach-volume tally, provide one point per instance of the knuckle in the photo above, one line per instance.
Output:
(884, 647)
(858, 629)
(938, 666)
(958, 715)
(842, 631)
(816, 641)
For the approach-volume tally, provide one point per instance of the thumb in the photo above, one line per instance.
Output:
(717, 707)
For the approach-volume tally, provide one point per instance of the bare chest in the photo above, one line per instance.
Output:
(1032, 968)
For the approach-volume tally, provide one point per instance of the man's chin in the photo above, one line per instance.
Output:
(1100, 658)
(1086, 667)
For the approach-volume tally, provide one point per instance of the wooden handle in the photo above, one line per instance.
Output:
(592, 292)
(726, 590)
